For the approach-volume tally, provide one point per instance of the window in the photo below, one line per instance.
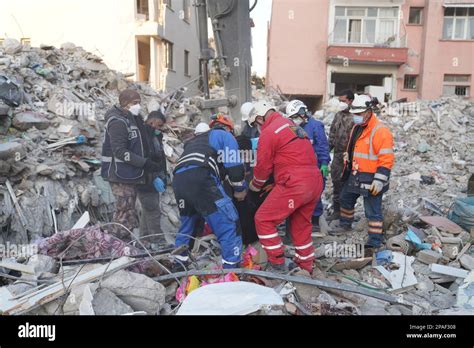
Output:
(457, 85)
(168, 4)
(168, 55)
(410, 82)
(186, 11)
(25, 41)
(186, 63)
(416, 15)
(365, 25)
(458, 23)
(142, 9)
(2, 41)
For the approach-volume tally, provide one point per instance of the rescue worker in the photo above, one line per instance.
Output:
(125, 160)
(207, 158)
(148, 194)
(369, 159)
(285, 150)
(248, 131)
(297, 111)
(338, 138)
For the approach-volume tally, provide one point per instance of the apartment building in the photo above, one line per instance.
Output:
(414, 49)
(154, 40)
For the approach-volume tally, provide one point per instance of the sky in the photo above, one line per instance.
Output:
(261, 16)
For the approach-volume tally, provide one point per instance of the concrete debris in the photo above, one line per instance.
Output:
(137, 290)
(49, 179)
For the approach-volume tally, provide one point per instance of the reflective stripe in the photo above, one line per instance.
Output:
(304, 246)
(304, 257)
(375, 223)
(193, 154)
(182, 258)
(268, 236)
(385, 151)
(375, 231)
(190, 159)
(281, 128)
(229, 263)
(109, 159)
(348, 211)
(263, 181)
(272, 247)
(361, 155)
(237, 183)
(380, 176)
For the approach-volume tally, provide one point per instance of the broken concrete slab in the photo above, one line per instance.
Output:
(450, 271)
(428, 256)
(465, 295)
(467, 261)
(11, 149)
(43, 263)
(137, 290)
(443, 224)
(26, 120)
(105, 302)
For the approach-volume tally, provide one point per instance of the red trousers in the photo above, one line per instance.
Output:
(295, 197)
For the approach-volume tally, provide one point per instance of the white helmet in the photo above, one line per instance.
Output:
(361, 103)
(294, 107)
(201, 128)
(245, 110)
(260, 108)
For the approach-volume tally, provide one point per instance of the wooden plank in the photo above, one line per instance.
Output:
(17, 267)
(29, 302)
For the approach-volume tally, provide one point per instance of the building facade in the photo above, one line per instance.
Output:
(393, 49)
(152, 40)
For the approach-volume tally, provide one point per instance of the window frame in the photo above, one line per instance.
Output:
(363, 35)
(186, 63)
(187, 11)
(169, 55)
(455, 83)
(405, 79)
(422, 10)
(457, 18)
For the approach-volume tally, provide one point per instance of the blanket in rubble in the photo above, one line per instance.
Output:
(89, 243)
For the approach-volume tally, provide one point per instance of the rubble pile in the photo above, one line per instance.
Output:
(51, 127)
(50, 137)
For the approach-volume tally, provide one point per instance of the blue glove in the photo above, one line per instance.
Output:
(254, 142)
(159, 185)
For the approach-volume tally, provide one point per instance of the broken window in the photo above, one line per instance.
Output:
(186, 10)
(142, 9)
(415, 15)
(186, 63)
(359, 25)
(168, 55)
(410, 82)
(458, 23)
(457, 85)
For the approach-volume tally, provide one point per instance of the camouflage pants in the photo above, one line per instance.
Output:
(150, 214)
(337, 166)
(125, 212)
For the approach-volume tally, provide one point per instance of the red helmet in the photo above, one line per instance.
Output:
(223, 120)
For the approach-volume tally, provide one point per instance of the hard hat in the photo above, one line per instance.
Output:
(260, 108)
(361, 103)
(245, 110)
(221, 119)
(201, 128)
(294, 107)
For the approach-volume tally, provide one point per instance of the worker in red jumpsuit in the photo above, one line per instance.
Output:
(285, 151)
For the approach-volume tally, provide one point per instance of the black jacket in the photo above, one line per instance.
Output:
(125, 148)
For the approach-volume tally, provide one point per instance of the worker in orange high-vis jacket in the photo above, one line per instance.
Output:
(285, 151)
(368, 162)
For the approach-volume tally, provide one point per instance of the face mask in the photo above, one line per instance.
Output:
(135, 109)
(298, 121)
(157, 132)
(343, 106)
(358, 119)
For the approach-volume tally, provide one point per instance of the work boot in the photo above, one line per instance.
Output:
(334, 216)
(369, 250)
(277, 268)
(315, 223)
(340, 229)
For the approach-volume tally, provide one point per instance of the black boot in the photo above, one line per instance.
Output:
(315, 223)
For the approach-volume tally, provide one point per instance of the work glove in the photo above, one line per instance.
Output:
(376, 187)
(151, 166)
(324, 170)
(159, 185)
(253, 188)
(240, 196)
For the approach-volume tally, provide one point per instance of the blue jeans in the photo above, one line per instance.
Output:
(373, 213)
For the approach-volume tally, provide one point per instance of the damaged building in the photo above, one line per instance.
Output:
(414, 49)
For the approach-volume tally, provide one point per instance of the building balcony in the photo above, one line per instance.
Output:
(341, 54)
